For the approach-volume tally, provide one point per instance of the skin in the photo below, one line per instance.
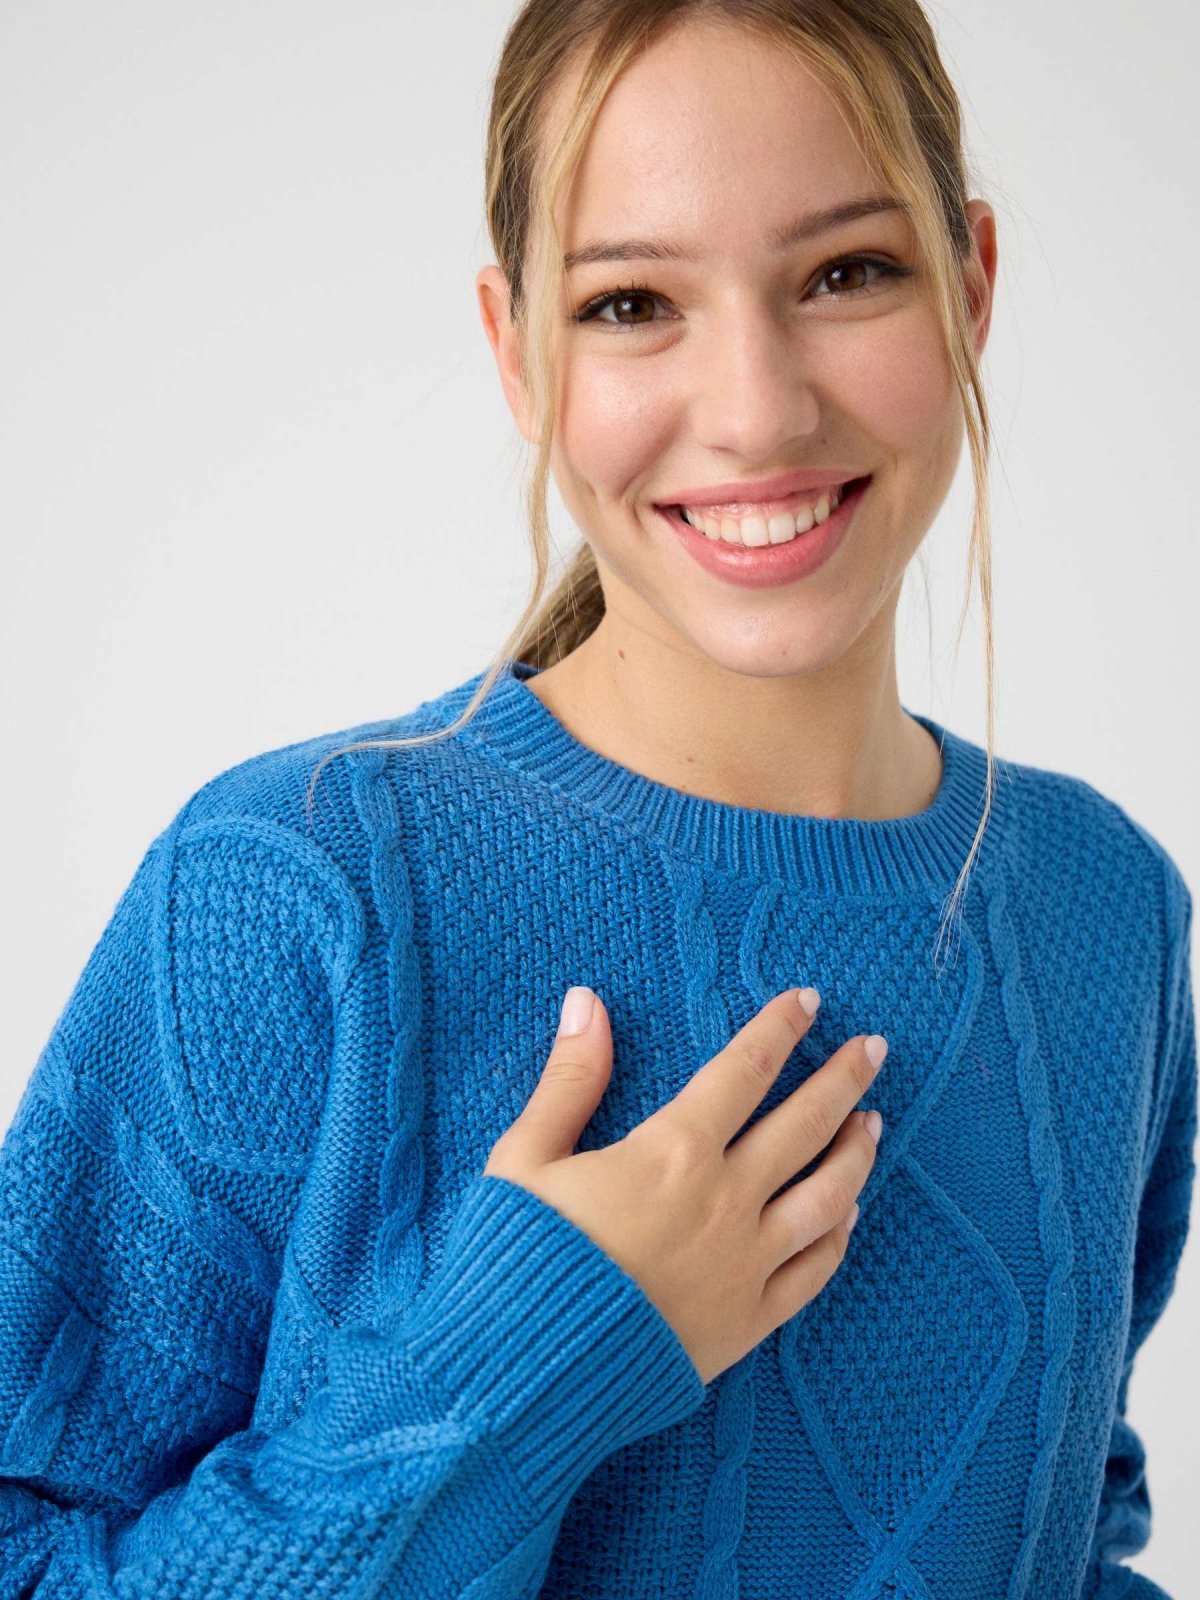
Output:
(735, 364)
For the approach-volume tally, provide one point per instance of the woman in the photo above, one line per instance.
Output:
(305, 1288)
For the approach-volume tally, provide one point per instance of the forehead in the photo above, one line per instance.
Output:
(710, 127)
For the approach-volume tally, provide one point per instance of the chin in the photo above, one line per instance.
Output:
(779, 653)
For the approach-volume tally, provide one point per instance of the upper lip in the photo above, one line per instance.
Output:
(762, 489)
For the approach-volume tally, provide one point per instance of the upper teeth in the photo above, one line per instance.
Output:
(757, 528)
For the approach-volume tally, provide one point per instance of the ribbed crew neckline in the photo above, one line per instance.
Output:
(922, 853)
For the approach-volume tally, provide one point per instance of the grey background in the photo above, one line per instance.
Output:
(258, 481)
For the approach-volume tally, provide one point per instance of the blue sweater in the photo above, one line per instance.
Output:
(266, 1330)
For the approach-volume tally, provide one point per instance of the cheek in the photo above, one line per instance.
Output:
(613, 424)
(903, 389)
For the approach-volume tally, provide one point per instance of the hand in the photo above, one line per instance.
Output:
(688, 1214)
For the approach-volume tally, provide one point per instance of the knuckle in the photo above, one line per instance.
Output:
(759, 1061)
(677, 1147)
(840, 1195)
(814, 1124)
(567, 1069)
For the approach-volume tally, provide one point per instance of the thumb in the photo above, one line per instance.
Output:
(573, 1080)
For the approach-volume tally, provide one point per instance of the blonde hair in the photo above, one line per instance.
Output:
(879, 61)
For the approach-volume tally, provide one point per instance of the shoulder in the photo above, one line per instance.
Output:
(259, 902)
(273, 787)
(251, 854)
(307, 787)
(302, 831)
(1072, 838)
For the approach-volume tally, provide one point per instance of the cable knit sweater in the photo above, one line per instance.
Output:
(267, 1331)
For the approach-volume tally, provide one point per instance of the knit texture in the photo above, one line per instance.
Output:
(266, 1329)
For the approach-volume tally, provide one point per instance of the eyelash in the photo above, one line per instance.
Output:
(887, 269)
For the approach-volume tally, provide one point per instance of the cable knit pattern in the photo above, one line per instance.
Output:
(733, 1422)
(267, 1330)
(95, 1116)
(398, 1255)
(1054, 1228)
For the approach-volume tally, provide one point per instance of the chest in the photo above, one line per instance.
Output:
(927, 1385)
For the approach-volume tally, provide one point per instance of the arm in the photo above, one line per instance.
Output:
(1123, 1520)
(136, 1295)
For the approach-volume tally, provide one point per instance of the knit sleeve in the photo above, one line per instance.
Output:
(149, 1186)
(1123, 1521)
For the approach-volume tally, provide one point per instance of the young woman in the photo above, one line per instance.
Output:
(328, 1268)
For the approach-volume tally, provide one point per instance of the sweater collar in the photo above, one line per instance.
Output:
(846, 855)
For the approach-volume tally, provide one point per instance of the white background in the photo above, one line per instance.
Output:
(258, 481)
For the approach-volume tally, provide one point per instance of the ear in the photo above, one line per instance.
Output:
(491, 286)
(981, 269)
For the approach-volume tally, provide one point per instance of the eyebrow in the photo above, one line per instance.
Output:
(797, 232)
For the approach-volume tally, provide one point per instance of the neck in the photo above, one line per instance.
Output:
(835, 742)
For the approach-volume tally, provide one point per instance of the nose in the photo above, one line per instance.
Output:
(749, 391)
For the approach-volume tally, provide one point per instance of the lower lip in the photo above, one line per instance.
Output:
(760, 566)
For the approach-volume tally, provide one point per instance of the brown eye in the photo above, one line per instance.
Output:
(633, 308)
(850, 273)
(643, 301)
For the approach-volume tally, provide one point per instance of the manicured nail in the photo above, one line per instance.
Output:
(809, 999)
(854, 1216)
(876, 1047)
(577, 1006)
(874, 1125)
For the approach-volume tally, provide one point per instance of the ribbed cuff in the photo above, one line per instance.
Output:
(526, 1331)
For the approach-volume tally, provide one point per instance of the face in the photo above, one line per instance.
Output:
(695, 376)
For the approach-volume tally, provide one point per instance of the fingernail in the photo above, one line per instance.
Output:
(876, 1047)
(809, 999)
(577, 1006)
(874, 1125)
(854, 1216)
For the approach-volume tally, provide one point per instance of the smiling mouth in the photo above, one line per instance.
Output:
(772, 522)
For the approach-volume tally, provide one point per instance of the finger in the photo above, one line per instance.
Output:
(817, 1203)
(565, 1097)
(790, 1288)
(787, 1138)
(719, 1098)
